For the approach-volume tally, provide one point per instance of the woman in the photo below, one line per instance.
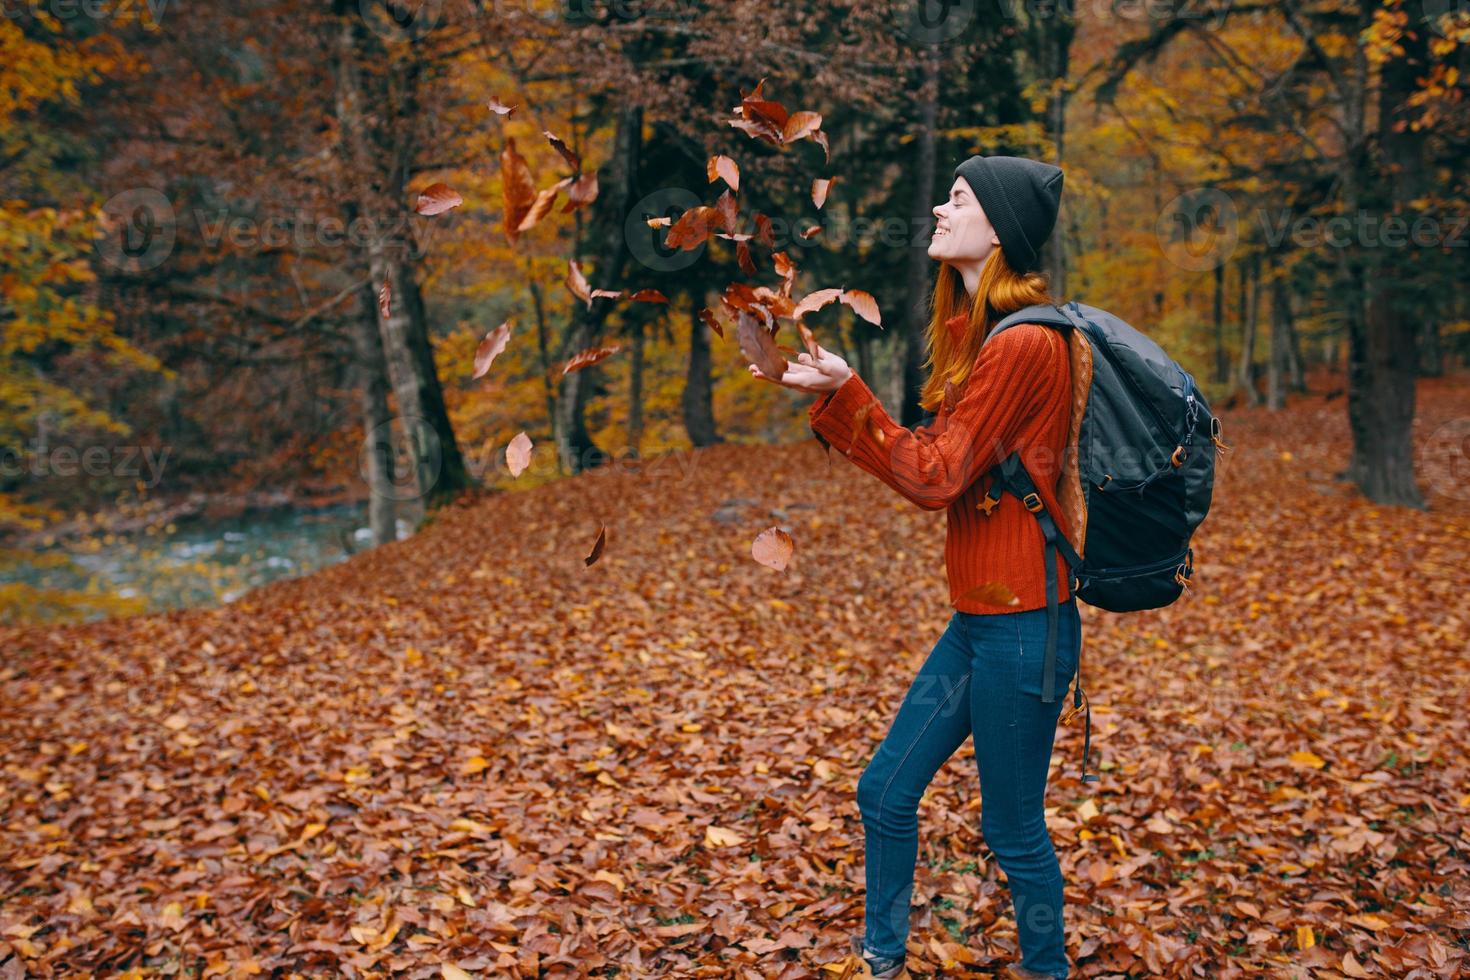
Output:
(984, 676)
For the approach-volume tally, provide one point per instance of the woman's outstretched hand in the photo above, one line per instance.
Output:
(827, 373)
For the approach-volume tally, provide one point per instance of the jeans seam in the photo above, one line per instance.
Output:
(1020, 671)
(883, 796)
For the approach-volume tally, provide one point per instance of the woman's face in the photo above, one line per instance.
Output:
(962, 232)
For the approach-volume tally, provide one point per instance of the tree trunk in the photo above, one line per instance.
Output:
(375, 461)
(1250, 288)
(908, 369)
(574, 442)
(543, 347)
(1390, 356)
(1297, 369)
(1280, 348)
(698, 396)
(1057, 32)
(438, 466)
(1222, 359)
(1431, 351)
(635, 388)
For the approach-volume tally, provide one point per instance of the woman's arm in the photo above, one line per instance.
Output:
(1016, 372)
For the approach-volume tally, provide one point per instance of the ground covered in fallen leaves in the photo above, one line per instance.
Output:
(470, 751)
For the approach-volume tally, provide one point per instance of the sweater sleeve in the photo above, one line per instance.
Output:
(933, 465)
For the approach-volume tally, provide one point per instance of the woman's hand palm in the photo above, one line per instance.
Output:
(827, 373)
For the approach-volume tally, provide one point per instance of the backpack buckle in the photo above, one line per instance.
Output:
(1032, 502)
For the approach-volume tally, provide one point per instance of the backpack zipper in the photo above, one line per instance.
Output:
(1135, 570)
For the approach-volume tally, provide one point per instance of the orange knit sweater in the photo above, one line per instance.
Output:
(1017, 396)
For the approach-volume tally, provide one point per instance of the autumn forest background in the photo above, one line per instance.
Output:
(338, 337)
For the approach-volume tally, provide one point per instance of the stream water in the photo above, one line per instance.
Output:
(203, 562)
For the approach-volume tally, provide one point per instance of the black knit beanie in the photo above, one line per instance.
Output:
(1020, 197)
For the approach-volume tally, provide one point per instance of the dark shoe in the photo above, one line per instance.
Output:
(871, 966)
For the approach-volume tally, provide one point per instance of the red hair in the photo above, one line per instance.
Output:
(957, 328)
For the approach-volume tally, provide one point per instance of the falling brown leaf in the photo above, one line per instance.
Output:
(711, 321)
(743, 259)
(582, 193)
(820, 188)
(491, 348)
(991, 593)
(693, 228)
(385, 298)
(518, 188)
(814, 301)
(759, 117)
(801, 125)
(597, 545)
(500, 108)
(436, 199)
(648, 296)
(577, 283)
(786, 269)
(757, 347)
(573, 161)
(541, 207)
(808, 338)
(809, 233)
(518, 454)
(723, 168)
(863, 304)
(773, 547)
(765, 230)
(728, 211)
(589, 356)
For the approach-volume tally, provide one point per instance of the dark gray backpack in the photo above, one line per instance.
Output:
(1147, 476)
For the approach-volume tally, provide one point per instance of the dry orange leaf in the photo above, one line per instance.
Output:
(864, 305)
(758, 347)
(597, 545)
(490, 348)
(590, 356)
(436, 199)
(820, 188)
(773, 547)
(723, 168)
(518, 454)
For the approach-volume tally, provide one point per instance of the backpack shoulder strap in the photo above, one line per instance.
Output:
(1038, 313)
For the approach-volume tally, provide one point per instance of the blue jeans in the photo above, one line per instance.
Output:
(983, 677)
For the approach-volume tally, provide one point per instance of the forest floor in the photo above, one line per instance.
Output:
(470, 751)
